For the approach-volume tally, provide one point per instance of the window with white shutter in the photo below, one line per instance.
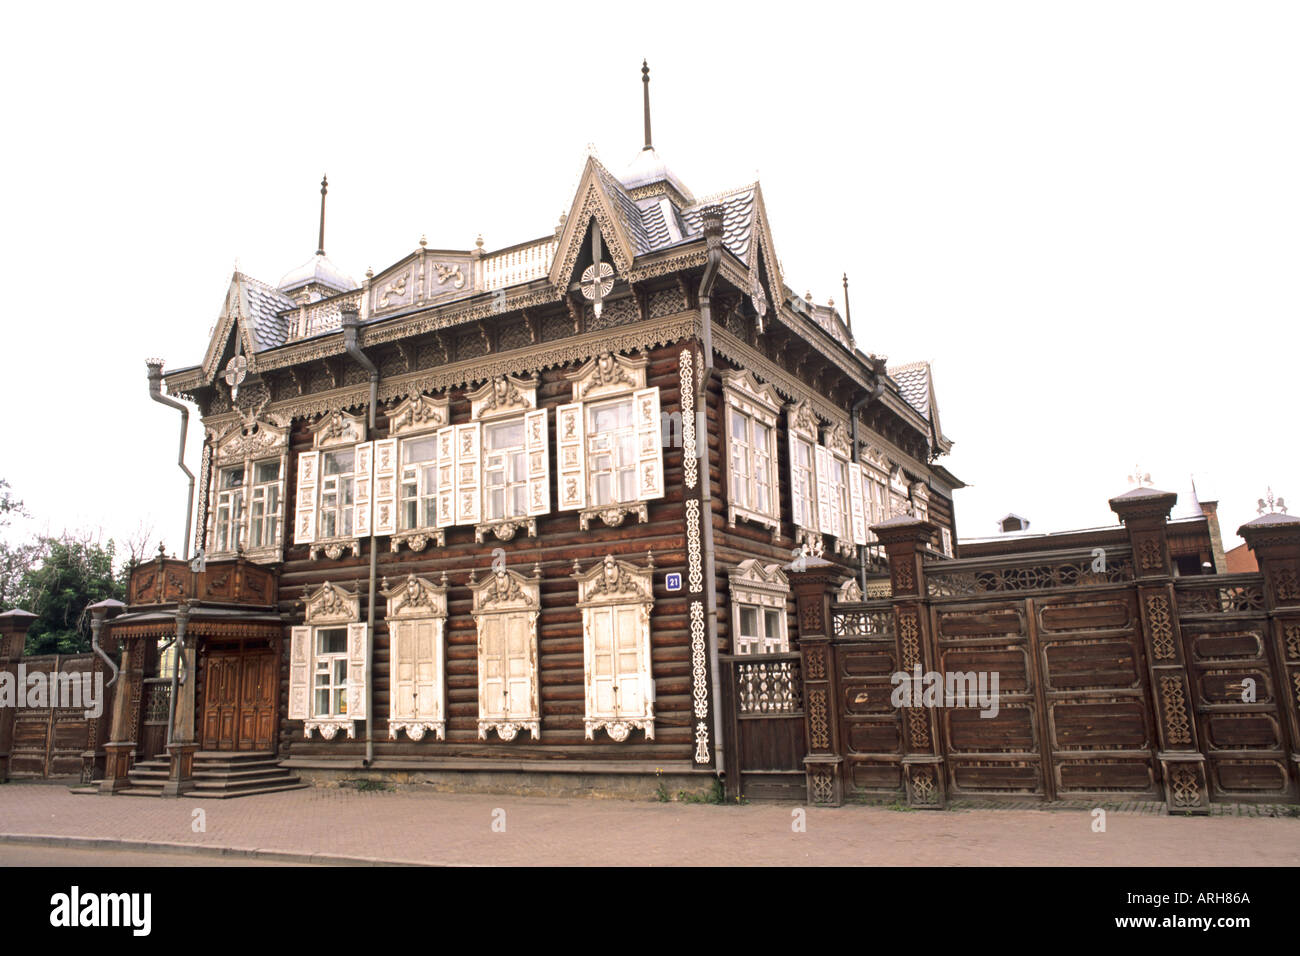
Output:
(751, 418)
(616, 599)
(806, 483)
(505, 609)
(362, 477)
(327, 664)
(414, 470)
(857, 504)
(571, 457)
(759, 594)
(305, 513)
(335, 487)
(246, 498)
(468, 475)
(514, 470)
(384, 489)
(417, 614)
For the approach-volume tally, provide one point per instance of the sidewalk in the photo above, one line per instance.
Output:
(457, 829)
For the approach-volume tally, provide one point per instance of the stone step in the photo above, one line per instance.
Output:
(235, 775)
(229, 794)
(212, 766)
(234, 756)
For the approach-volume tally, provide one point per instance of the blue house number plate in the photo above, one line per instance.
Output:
(673, 581)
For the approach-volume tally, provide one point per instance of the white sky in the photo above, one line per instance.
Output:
(1084, 215)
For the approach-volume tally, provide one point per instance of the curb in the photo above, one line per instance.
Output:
(255, 855)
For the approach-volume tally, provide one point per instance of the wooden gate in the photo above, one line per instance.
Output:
(240, 690)
(50, 741)
(764, 701)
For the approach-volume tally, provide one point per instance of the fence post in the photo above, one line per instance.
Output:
(1275, 541)
(904, 538)
(814, 583)
(1145, 513)
(13, 637)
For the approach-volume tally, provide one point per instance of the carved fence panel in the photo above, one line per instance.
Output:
(765, 706)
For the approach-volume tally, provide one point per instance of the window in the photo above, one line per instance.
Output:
(417, 613)
(230, 509)
(839, 497)
(337, 492)
(759, 594)
(506, 605)
(762, 631)
(245, 506)
(264, 507)
(805, 485)
(611, 453)
(505, 471)
(752, 410)
(616, 598)
(419, 482)
(610, 442)
(327, 664)
(331, 672)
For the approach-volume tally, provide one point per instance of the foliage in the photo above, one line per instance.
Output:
(73, 573)
(714, 795)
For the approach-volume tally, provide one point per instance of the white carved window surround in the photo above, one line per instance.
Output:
(609, 442)
(327, 664)
(759, 593)
(246, 502)
(874, 468)
(417, 615)
(495, 471)
(409, 469)
(752, 410)
(616, 599)
(844, 517)
(335, 482)
(505, 608)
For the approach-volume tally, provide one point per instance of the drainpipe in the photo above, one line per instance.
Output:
(351, 325)
(155, 392)
(713, 237)
(866, 399)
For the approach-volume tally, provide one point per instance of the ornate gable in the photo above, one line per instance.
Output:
(338, 428)
(416, 597)
(608, 374)
(836, 438)
(332, 604)
(503, 395)
(750, 395)
(255, 436)
(590, 202)
(753, 582)
(614, 582)
(506, 590)
(420, 412)
(803, 420)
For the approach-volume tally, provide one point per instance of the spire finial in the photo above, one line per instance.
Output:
(320, 246)
(645, 87)
(848, 316)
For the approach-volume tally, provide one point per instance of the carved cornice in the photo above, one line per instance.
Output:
(615, 582)
(338, 428)
(607, 374)
(416, 729)
(505, 529)
(334, 548)
(503, 395)
(332, 604)
(752, 577)
(420, 412)
(613, 515)
(250, 436)
(416, 597)
(505, 590)
(418, 540)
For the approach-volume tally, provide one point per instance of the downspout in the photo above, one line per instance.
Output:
(155, 392)
(351, 324)
(863, 401)
(713, 237)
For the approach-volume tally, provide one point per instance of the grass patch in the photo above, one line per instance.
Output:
(365, 784)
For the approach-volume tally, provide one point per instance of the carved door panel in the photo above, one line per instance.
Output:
(221, 701)
(256, 700)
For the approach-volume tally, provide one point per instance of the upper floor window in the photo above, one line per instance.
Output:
(337, 493)
(752, 409)
(610, 442)
(334, 496)
(247, 488)
(419, 458)
(505, 470)
(805, 485)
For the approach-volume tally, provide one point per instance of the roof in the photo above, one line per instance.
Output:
(648, 168)
(914, 384)
(266, 305)
(320, 271)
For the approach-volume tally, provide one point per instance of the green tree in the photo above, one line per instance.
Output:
(73, 574)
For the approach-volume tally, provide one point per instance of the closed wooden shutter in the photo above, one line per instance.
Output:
(362, 482)
(571, 457)
(628, 660)
(446, 477)
(600, 693)
(299, 672)
(796, 490)
(822, 459)
(649, 444)
(357, 671)
(538, 457)
(856, 504)
(282, 508)
(519, 667)
(385, 486)
(304, 518)
(469, 473)
(492, 667)
(415, 670)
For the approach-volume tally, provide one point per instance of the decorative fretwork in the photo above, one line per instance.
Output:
(1291, 635)
(1071, 572)
(1286, 585)
(821, 783)
(909, 631)
(768, 686)
(924, 789)
(157, 701)
(1215, 598)
(1178, 728)
(919, 722)
(818, 726)
(1161, 627)
(1186, 788)
(862, 623)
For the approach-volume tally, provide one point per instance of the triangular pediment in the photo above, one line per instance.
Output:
(592, 203)
(234, 320)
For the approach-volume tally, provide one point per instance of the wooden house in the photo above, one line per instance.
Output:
(514, 504)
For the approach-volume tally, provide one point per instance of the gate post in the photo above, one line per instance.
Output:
(13, 637)
(1275, 541)
(126, 698)
(904, 537)
(1144, 512)
(814, 580)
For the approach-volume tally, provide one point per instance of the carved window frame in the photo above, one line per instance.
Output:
(501, 598)
(762, 587)
(328, 606)
(254, 440)
(609, 377)
(617, 591)
(802, 428)
(744, 395)
(336, 432)
(839, 523)
(414, 603)
(420, 416)
(505, 400)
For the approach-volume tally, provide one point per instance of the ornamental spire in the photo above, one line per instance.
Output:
(645, 88)
(320, 245)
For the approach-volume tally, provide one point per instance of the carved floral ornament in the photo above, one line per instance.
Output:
(503, 394)
(506, 590)
(803, 420)
(420, 412)
(416, 597)
(608, 373)
(339, 428)
(836, 438)
(614, 581)
(332, 603)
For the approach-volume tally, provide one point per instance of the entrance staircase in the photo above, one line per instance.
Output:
(218, 775)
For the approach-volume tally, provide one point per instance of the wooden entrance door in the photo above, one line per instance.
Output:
(239, 699)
